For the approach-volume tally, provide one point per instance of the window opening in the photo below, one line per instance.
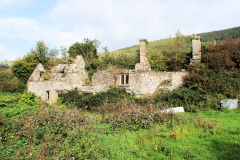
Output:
(48, 95)
(41, 73)
(124, 79)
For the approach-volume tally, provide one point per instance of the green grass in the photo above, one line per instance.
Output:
(205, 135)
(189, 142)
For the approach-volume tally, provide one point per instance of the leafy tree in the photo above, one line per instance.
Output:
(41, 50)
(53, 53)
(63, 51)
(88, 49)
(157, 61)
(176, 52)
(23, 68)
(105, 49)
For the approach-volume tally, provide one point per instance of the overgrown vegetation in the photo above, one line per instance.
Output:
(115, 124)
(174, 57)
(10, 83)
(126, 132)
(93, 102)
(207, 83)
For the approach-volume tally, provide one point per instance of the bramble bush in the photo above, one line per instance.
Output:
(192, 99)
(134, 117)
(207, 83)
(39, 135)
(90, 101)
(222, 55)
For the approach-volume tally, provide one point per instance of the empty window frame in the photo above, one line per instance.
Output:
(41, 73)
(48, 92)
(124, 79)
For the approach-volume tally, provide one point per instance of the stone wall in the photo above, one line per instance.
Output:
(141, 80)
(143, 83)
(63, 77)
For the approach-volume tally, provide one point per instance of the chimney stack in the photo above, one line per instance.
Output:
(144, 63)
(143, 50)
(196, 49)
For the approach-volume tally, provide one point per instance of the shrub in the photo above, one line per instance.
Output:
(41, 134)
(10, 83)
(134, 117)
(90, 101)
(222, 55)
(28, 99)
(214, 82)
(157, 61)
(81, 144)
(4, 66)
(19, 105)
(193, 99)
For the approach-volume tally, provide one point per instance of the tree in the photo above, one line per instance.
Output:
(23, 68)
(157, 61)
(41, 50)
(176, 52)
(63, 51)
(88, 49)
(53, 53)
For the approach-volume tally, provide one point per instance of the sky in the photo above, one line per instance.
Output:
(115, 23)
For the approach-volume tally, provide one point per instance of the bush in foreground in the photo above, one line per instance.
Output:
(90, 101)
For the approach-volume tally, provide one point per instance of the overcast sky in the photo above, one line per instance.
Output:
(115, 23)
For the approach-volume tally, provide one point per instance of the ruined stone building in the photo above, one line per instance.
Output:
(141, 80)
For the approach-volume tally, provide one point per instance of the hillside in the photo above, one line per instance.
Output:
(206, 37)
(9, 63)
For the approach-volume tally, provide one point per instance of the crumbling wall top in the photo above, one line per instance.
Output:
(36, 74)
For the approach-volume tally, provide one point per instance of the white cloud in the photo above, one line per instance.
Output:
(118, 23)
(31, 30)
(6, 54)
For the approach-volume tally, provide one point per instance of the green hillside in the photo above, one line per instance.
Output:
(5, 64)
(9, 63)
(206, 37)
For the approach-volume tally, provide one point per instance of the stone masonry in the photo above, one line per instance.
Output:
(196, 49)
(141, 80)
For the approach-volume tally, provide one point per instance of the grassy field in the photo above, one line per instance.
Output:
(37, 131)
